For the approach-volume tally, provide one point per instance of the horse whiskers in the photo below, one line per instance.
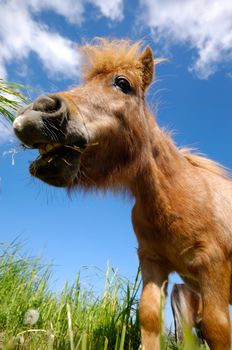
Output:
(50, 133)
(66, 162)
(64, 118)
(83, 174)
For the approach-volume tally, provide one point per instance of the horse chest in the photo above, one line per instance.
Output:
(167, 248)
(154, 234)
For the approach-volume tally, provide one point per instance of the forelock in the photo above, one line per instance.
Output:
(105, 56)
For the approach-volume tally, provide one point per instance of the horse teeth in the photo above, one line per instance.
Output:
(49, 147)
(42, 151)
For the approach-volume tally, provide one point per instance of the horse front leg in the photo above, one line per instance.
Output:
(215, 292)
(154, 277)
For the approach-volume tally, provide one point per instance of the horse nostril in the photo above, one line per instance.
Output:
(46, 112)
(51, 105)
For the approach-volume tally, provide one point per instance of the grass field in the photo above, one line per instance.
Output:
(34, 317)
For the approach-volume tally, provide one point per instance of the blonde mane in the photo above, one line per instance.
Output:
(205, 163)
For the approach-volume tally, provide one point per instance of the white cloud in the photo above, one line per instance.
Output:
(21, 34)
(204, 25)
(111, 9)
(72, 10)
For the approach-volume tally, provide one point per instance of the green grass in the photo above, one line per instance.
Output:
(75, 319)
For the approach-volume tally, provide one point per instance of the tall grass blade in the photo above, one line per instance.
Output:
(122, 341)
(106, 344)
(70, 331)
(84, 342)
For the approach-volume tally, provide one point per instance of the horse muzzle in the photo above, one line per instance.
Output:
(46, 125)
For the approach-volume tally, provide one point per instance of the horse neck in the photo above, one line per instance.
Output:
(159, 177)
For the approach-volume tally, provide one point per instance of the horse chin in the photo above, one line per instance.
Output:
(57, 169)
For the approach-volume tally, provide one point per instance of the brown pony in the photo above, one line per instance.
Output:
(102, 135)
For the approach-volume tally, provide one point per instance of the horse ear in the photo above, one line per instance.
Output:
(147, 61)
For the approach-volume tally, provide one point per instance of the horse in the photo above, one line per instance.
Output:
(102, 135)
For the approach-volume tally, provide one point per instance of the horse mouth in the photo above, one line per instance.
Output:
(57, 163)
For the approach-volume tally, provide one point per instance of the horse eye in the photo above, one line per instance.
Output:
(122, 84)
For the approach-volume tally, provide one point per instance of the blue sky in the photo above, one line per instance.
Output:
(192, 94)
